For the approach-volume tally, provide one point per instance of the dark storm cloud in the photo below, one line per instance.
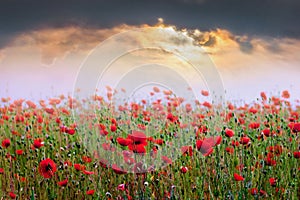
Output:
(245, 45)
(272, 18)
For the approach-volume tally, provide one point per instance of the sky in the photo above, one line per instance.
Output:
(248, 46)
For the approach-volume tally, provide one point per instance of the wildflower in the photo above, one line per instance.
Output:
(124, 141)
(117, 169)
(183, 169)
(187, 150)
(229, 150)
(47, 168)
(63, 183)
(262, 193)
(229, 133)
(277, 149)
(113, 128)
(159, 141)
(90, 192)
(79, 167)
(269, 160)
(19, 151)
(139, 148)
(238, 177)
(272, 181)
(12, 195)
(245, 140)
(297, 154)
(121, 187)
(206, 145)
(37, 143)
(235, 143)
(253, 191)
(285, 94)
(5, 143)
(295, 127)
(266, 132)
(207, 104)
(204, 93)
(138, 137)
(138, 142)
(88, 172)
(263, 96)
(70, 131)
(86, 159)
(156, 89)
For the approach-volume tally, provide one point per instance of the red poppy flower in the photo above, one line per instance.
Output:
(235, 143)
(172, 118)
(86, 159)
(90, 192)
(245, 140)
(206, 145)
(263, 96)
(156, 89)
(254, 125)
(19, 151)
(113, 128)
(262, 193)
(138, 137)
(117, 169)
(207, 104)
(238, 177)
(184, 169)
(229, 133)
(37, 143)
(70, 131)
(124, 141)
(229, 150)
(103, 163)
(266, 132)
(121, 187)
(137, 148)
(285, 94)
(297, 154)
(218, 140)
(204, 93)
(12, 195)
(47, 168)
(142, 126)
(295, 127)
(201, 129)
(277, 149)
(63, 183)
(103, 132)
(253, 191)
(269, 161)
(5, 143)
(49, 110)
(253, 110)
(79, 167)
(88, 172)
(159, 141)
(40, 119)
(272, 181)
(1, 170)
(187, 150)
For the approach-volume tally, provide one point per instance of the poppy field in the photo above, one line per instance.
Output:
(152, 149)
